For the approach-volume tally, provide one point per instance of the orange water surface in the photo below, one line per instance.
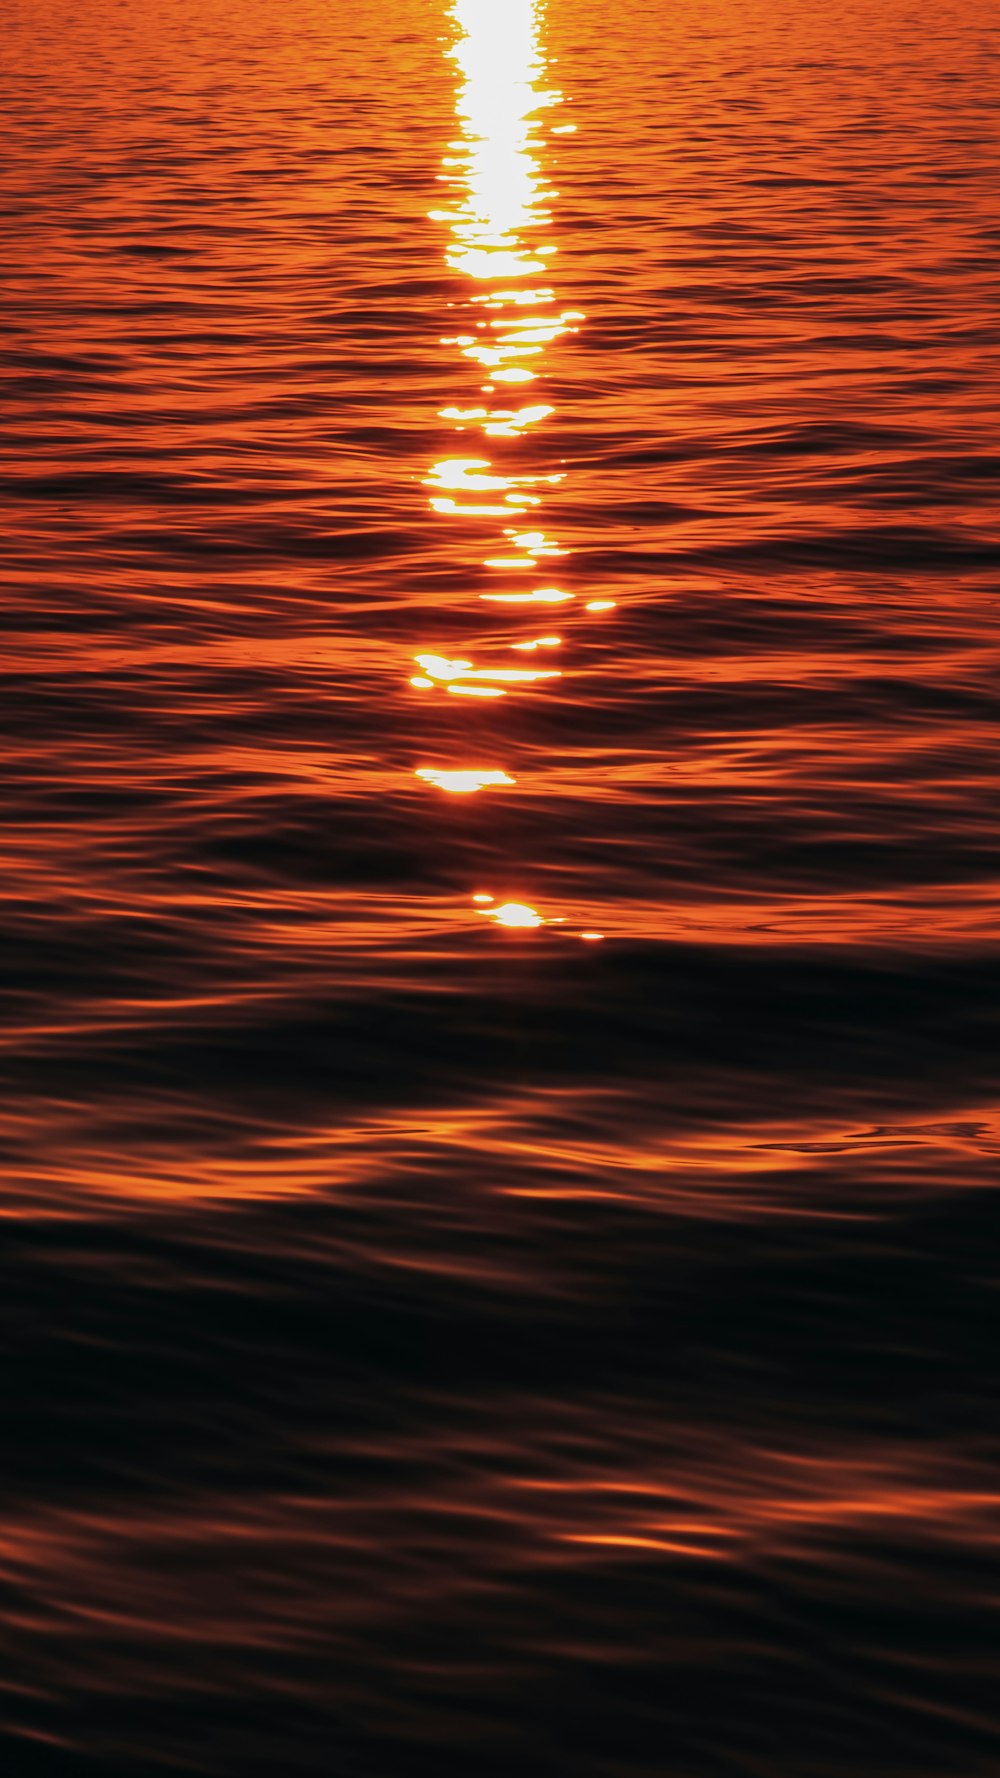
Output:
(500, 1111)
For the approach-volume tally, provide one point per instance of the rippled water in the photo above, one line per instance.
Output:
(499, 864)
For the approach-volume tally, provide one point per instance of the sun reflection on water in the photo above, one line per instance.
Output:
(497, 210)
(463, 783)
(499, 219)
(515, 913)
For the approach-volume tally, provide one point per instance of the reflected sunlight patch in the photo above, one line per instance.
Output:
(465, 473)
(548, 595)
(437, 666)
(499, 193)
(496, 206)
(463, 783)
(520, 914)
(515, 913)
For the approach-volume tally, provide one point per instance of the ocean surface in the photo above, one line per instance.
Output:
(498, 889)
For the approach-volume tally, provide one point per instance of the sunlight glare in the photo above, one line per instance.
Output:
(463, 783)
(515, 913)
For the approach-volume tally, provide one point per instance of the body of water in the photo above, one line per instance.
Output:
(498, 890)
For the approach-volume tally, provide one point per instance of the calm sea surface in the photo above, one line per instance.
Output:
(498, 889)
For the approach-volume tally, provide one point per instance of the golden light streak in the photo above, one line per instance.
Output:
(496, 183)
(436, 666)
(463, 783)
(443, 503)
(516, 913)
(544, 596)
(499, 196)
(500, 298)
(465, 473)
(498, 218)
(536, 542)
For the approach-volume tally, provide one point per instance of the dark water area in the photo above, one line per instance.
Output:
(498, 901)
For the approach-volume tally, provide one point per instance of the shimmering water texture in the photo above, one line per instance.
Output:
(500, 1117)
